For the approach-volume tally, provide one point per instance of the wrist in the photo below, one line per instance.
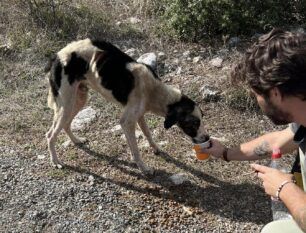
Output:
(225, 154)
(284, 188)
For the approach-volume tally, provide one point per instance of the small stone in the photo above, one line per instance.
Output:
(196, 59)
(179, 70)
(216, 62)
(131, 52)
(41, 156)
(66, 144)
(188, 210)
(91, 180)
(83, 118)
(148, 59)
(116, 128)
(134, 20)
(179, 178)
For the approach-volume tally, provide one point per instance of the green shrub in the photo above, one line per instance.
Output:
(197, 19)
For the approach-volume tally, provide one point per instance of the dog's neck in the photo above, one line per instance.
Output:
(161, 96)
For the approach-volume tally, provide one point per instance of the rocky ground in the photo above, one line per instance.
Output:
(100, 189)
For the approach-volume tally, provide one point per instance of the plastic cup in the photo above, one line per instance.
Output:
(197, 147)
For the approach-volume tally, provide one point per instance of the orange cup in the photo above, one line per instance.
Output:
(197, 147)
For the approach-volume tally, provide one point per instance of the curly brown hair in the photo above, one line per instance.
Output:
(278, 59)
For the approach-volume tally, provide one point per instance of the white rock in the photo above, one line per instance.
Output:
(179, 178)
(216, 62)
(149, 59)
(83, 118)
(116, 128)
(131, 52)
(196, 59)
(41, 156)
(66, 144)
(162, 143)
(188, 210)
(134, 20)
(91, 180)
(138, 134)
(209, 93)
(179, 70)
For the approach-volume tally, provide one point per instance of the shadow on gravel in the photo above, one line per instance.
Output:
(243, 202)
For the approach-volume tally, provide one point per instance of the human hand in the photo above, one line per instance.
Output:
(216, 149)
(272, 178)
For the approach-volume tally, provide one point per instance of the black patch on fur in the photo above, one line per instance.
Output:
(113, 70)
(180, 113)
(55, 68)
(76, 68)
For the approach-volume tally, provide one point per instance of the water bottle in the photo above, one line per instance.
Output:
(279, 210)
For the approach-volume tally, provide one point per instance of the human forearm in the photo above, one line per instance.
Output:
(262, 146)
(255, 149)
(295, 200)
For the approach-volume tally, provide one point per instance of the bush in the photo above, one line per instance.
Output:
(197, 19)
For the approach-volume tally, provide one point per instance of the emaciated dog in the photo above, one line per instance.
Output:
(120, 79)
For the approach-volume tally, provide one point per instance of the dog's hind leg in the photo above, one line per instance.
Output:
(80, 101)
(128, 121)
(146, 131)
(63, 111)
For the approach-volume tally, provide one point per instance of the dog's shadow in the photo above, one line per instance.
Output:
(234, 201)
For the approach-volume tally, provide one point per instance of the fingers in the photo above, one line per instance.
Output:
(260, 168)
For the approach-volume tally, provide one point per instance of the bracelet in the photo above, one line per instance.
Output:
(281, 187)
(224, 154)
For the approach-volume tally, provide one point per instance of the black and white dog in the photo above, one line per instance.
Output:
(120, 79)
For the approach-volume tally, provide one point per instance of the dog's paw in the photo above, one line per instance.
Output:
(147, 171)
(80, 141)
(57, 164)
(158, 151)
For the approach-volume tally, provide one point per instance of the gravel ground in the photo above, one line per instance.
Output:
(35, 198)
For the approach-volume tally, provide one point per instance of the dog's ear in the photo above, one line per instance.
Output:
(48, 66)
(98, 55)
(170, 121)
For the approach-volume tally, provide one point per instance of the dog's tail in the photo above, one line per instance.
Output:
(51, 97)
(49, 63)
(51, 100)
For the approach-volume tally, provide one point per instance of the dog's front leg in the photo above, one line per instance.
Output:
(146, 131)
(128, 124)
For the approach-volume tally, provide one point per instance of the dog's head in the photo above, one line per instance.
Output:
(188, 116)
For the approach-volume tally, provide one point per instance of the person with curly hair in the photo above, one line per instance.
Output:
(274, 69)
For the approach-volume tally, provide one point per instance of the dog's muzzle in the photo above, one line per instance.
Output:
(200, 139)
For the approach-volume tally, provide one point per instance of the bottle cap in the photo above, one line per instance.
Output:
(276, 154)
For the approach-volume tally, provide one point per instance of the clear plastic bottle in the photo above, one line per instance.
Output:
(279, 210)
